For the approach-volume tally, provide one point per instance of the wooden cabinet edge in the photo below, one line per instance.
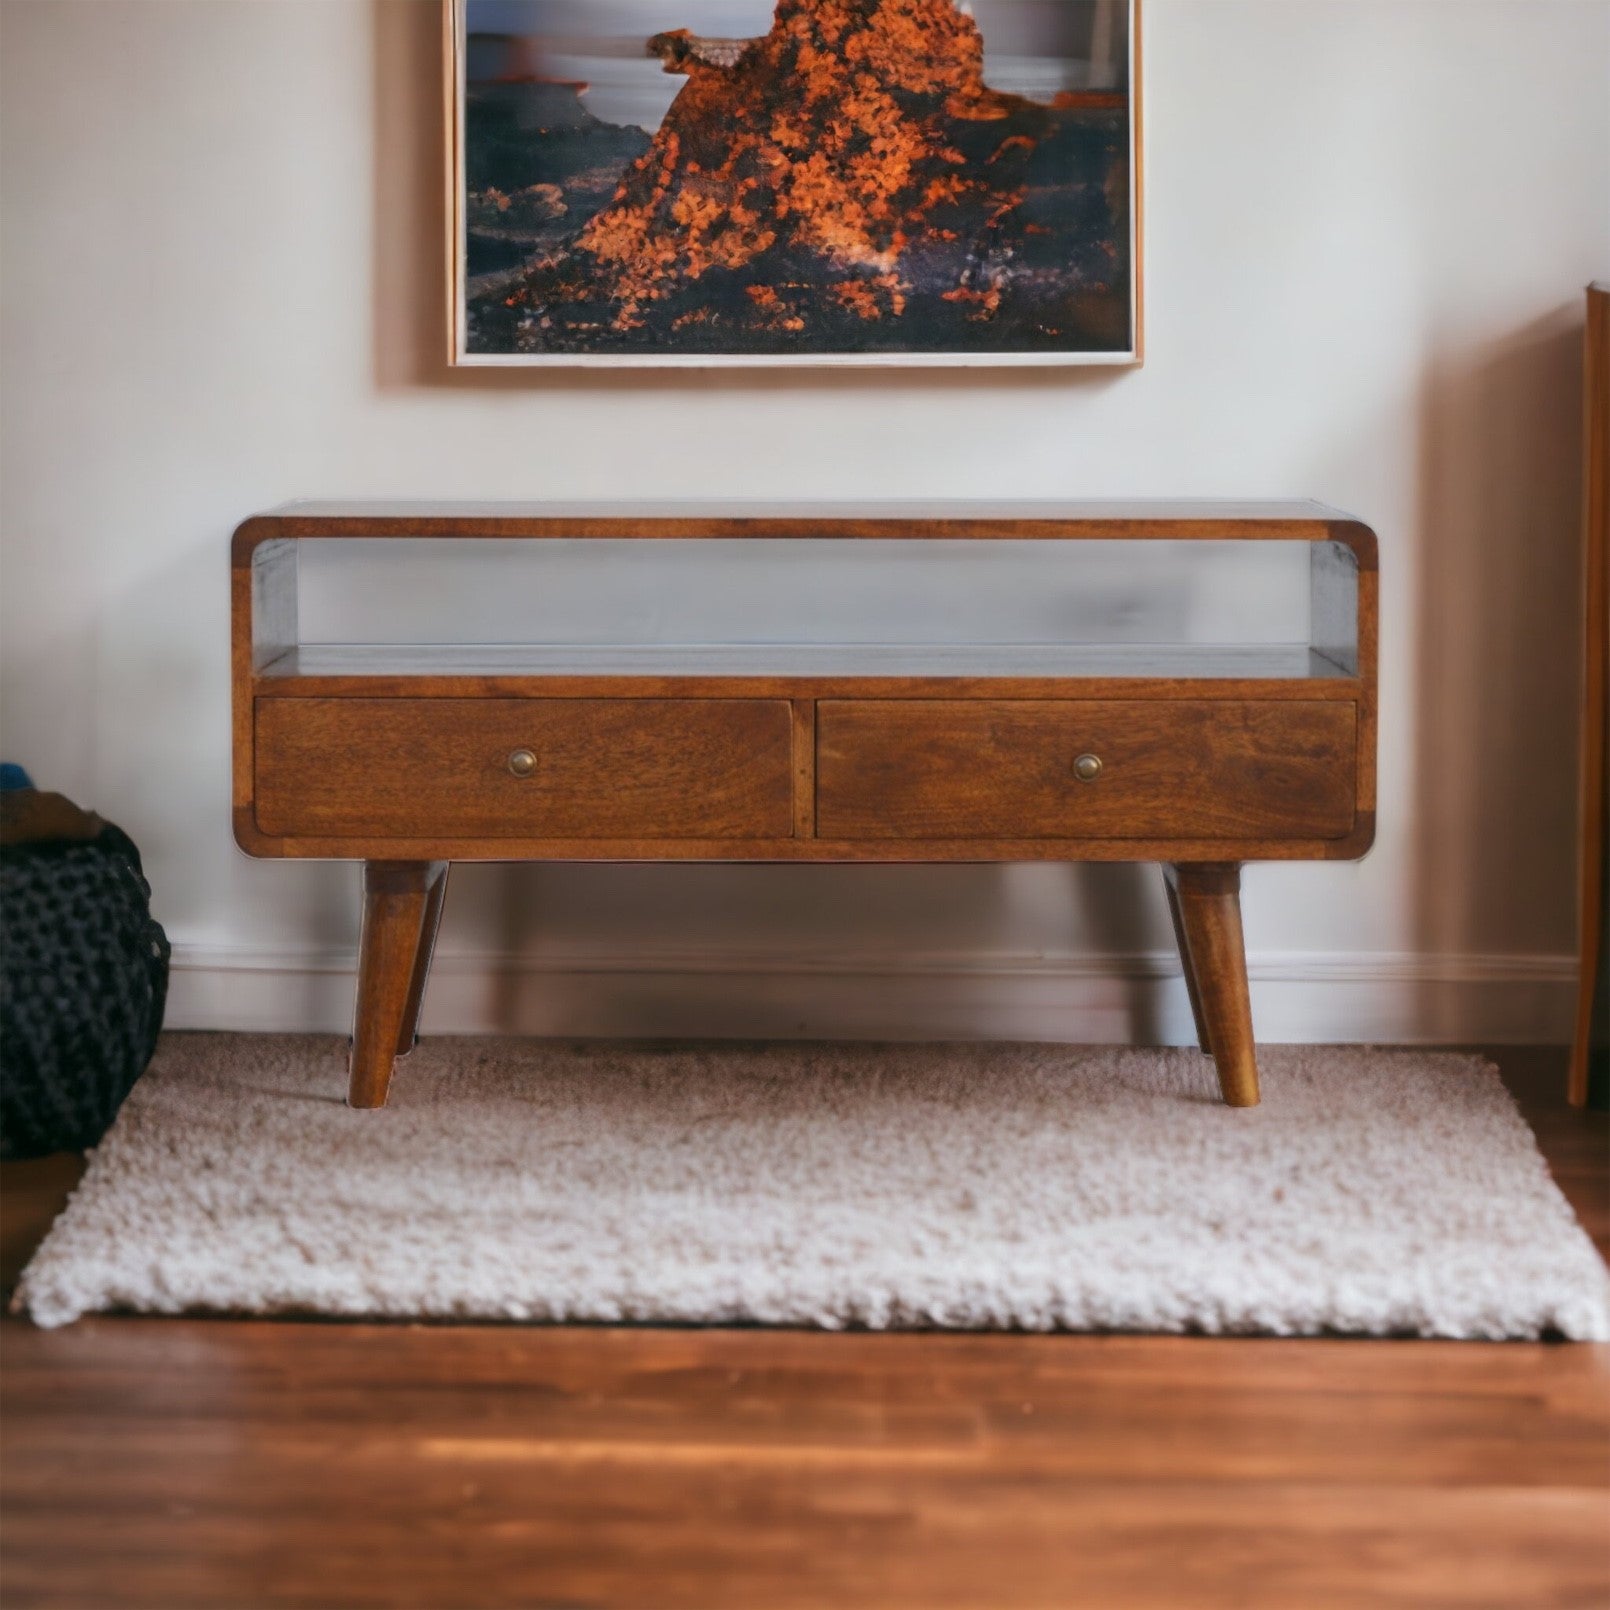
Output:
(1361, 539)
(253, 531)
(802, 851)
(260, 845)
(1317, 524)
(1357, 844)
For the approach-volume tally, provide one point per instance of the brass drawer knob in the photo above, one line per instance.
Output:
(523, 762)
(1087, 768)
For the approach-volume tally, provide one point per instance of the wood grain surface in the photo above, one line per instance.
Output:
(819, 850)
(1594, 788)
(402, 904)
(603, 768)
(910, 520)
(947, 769)
(1206, 905)
(224, 1464)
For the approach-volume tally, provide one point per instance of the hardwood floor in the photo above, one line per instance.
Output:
(223, 1463)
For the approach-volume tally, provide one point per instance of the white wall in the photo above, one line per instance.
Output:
(1368, 226)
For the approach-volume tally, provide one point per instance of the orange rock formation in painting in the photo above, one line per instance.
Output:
(847, 182)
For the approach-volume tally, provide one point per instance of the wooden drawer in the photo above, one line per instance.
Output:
(605, 768)
(1170, 769)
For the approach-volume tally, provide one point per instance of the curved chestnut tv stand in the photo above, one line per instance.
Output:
(1197, 755)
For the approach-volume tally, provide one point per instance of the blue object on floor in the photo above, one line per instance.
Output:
(13, 777)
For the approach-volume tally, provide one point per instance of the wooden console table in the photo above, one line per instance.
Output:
(410, 756)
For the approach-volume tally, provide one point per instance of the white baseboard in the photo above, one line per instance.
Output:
(1114, 999)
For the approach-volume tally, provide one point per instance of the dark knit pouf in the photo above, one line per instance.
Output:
(83, 980)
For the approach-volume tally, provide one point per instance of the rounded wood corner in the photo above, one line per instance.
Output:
(252, 839)
(1360, 538)
(1359, 842)
(251, 534)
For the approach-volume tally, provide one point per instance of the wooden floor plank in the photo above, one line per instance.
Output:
(218, 1463)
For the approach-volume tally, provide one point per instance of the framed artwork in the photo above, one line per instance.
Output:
(773, 182)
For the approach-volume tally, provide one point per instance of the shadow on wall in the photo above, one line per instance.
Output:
(1497, 674)
(410, 259)
(862, 952)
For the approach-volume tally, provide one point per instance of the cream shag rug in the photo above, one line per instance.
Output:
(1040, 1186)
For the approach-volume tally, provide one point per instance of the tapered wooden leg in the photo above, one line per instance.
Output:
(1187, 966)
(396, 897)
(408, 1029)
(1208, 896)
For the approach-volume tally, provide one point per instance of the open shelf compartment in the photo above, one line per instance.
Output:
(812, 608)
